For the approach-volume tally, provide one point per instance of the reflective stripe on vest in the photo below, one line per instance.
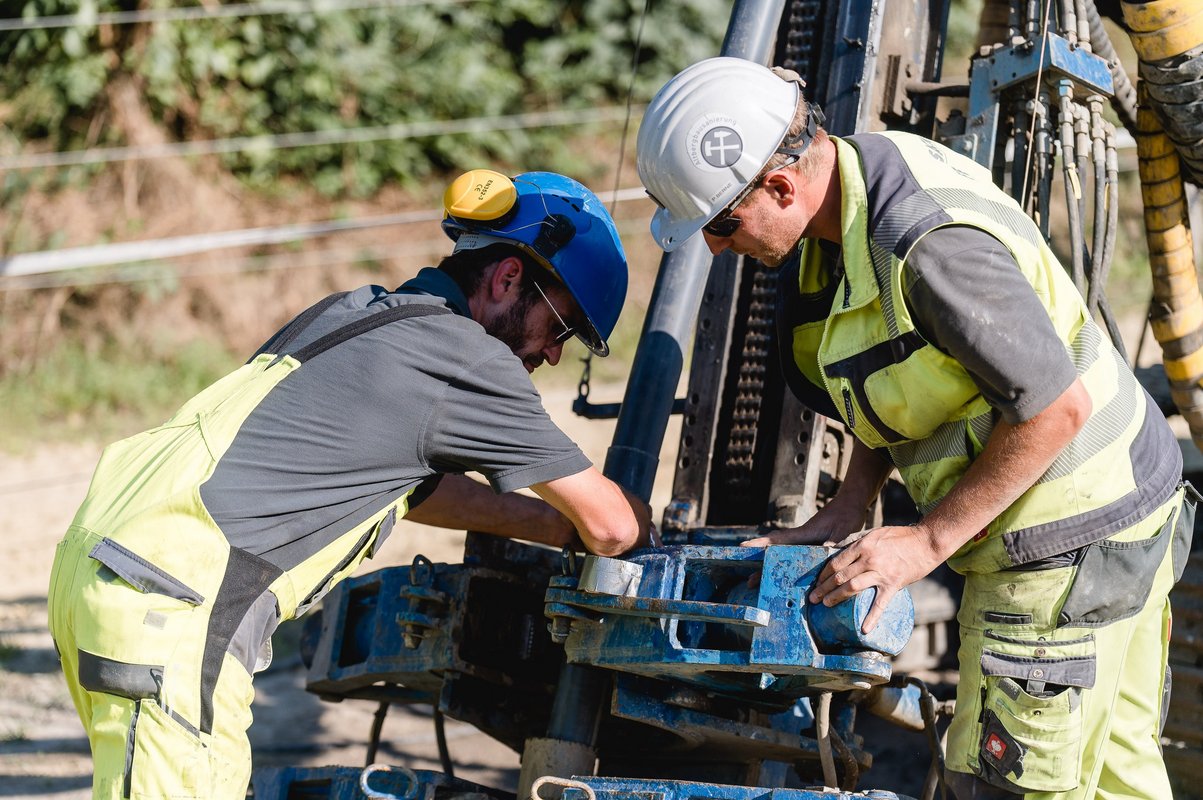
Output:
(896, 391)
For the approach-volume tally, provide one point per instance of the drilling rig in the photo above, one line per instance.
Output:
(673, 670)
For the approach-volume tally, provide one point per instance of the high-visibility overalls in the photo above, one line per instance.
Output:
(158, 620)
(1064, 619)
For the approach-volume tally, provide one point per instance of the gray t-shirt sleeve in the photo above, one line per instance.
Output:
(491, 420)
(969, 299)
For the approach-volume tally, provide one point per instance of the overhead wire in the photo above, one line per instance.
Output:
(151, 271)
(263, 143)
(582, 406)
(194, 13)
(1048, 5)
(108, 255)
(626, 121)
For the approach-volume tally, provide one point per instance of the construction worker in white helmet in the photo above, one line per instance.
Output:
(922, 307)
(198, 537)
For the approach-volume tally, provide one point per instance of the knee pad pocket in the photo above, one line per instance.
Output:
(1031, 730)
(165, 757)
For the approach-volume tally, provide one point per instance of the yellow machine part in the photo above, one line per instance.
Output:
(1159, 30)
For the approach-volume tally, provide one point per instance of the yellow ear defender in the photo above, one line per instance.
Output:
(480, 195)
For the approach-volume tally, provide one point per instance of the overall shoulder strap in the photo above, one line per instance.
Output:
(363, 325)
(788, 300)
(290, 331)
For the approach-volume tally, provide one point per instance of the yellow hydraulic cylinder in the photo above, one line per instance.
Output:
(1177, 312)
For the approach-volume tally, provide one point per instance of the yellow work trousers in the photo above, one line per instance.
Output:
(131, 659)
(1063, 672)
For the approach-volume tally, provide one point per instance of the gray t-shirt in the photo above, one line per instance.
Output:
(377, 417)
(969, 299)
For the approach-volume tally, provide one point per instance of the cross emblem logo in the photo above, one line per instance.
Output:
(996, 746)
(721, 147)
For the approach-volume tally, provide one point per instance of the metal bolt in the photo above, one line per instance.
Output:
(559, 628)
(1037, 673)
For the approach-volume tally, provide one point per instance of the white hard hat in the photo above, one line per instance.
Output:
(705, 136)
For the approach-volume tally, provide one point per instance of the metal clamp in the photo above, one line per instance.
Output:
(563, 783)
(411, 791)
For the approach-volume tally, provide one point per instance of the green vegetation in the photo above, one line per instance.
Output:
(98, 363)
(98, 85)
(77, 392)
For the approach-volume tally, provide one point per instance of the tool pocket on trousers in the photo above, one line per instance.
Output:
(1184, 528)
(1114, 579)
(141, 574)
(164, 757)
(1031, 736)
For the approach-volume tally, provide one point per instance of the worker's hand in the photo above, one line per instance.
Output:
(834, 524)
(890, 558)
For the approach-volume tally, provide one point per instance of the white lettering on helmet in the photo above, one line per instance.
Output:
(715, 142)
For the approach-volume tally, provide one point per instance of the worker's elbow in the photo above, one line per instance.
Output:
(1078, 407)
(614, 540)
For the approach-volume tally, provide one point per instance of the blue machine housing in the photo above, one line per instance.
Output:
(344, 783)
(467, 638)
(691, 616)
(591, 788)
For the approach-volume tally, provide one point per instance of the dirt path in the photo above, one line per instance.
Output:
(43, 752)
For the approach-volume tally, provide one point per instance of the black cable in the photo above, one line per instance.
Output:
(1072, 188)
(851, 768)
(440, 736)
(374, 736)
(927, 707)
(1124, 99)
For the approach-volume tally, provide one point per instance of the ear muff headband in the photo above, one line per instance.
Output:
(481, 196)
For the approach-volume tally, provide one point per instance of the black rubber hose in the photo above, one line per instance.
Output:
(1124, 99)
(440, 736)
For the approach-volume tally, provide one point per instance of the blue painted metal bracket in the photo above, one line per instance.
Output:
(467, 638)
(694, 618)
(594, 788)
(1051, 57)
(345, 783)
(684, 714)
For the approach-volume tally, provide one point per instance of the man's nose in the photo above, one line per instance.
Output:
(552, 354)
(717, 244)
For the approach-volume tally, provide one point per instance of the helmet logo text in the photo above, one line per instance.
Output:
(721, 147)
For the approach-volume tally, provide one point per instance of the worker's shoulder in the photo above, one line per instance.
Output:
(446, 335)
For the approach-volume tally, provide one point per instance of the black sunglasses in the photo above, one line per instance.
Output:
(725, 223)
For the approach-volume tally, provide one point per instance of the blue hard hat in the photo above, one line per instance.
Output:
(560, 223)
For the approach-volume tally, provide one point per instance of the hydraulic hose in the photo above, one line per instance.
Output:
(1124, 99)
(1176, 314)
(1168, 38)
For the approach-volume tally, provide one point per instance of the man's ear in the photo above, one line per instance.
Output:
(780, 185)
(506, 279)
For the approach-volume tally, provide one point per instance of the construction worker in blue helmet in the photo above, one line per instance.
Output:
(198, 537)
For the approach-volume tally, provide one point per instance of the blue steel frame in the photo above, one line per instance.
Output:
(1062, 66)
(694, 619)
(592, 788)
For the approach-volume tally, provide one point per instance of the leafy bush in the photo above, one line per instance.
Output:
(249, 76)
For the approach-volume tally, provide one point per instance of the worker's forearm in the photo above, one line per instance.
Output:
(610, 520)
(1013, 460)
(867, 473)
(464, 504)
